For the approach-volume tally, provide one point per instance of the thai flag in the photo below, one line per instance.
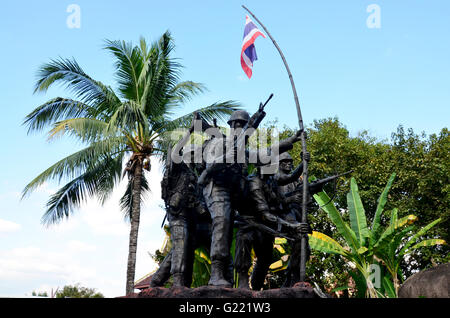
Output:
(248, 52)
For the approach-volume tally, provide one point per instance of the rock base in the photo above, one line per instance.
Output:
(430, 283)
(300, 290)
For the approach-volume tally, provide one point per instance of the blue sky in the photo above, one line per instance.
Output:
(370, 78)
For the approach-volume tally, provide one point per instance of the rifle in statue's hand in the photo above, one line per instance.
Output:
(315, 186)
(239, 140)
(292, 231)
(256, 119)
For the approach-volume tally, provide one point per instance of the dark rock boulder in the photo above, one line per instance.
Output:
(430, 283)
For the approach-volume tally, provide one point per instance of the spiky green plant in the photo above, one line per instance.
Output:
(385, 247)
(127, 125)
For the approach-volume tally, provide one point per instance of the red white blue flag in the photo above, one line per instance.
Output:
(248, 52)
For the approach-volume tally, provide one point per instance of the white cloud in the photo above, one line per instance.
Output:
(75, 246)
(8, 226)
(64, 227)
(32, 262)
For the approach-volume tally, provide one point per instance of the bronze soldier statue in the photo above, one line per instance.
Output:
(224, 180)
(265, 218)
(291, 189)
(221, 193)
(248, 236)
(189, 220)
(293, 211)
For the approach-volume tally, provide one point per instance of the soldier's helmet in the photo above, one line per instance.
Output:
(285, 156)
(239, 115)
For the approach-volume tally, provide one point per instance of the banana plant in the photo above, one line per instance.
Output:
(368, 248)
(201, 268)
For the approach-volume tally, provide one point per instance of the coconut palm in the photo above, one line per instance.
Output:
(126, 126)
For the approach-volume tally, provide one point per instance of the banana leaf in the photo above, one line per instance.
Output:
(388, 287)
(429, 242)
(380, 207)
(325, 203)
(357, 213)
(322, 243)
(391, 230)
(417, 235)
(360, 282)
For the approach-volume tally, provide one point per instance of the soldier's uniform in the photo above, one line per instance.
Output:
(262, 198)
(189, 223)
(293, 212)
(222, 195)
(274, 211)
(225, 191)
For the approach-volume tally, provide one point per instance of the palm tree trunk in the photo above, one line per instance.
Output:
(135, 217)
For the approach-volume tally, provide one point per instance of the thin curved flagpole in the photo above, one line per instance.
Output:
(303, 139)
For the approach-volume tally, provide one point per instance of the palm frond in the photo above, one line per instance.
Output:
(129, 64)
(78, 163)
(161, 76)
(66, 71)
(54, 110)
(184, 91)
(85, 129)
(128, 117)
(99, 180)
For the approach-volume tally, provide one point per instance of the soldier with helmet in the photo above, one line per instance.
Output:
(189, 220)
(224, 181)
(222, 184)
(288, 180)
(266, 218)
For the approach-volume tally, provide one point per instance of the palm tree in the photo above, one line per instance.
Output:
(128, 126)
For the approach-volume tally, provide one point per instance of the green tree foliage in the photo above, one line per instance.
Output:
(39, 294)
(421, 188)
(77, 291)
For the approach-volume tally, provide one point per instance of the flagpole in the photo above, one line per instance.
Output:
(303, 139)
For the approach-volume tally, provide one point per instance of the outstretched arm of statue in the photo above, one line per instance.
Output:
(286, 144)
(183, 141)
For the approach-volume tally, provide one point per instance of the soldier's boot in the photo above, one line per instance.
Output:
(178, 280)
(217, 275)
(243, 280)
(295, 276)
(257, 279)
(229, 271)
(163, 272)
(158, 280)
(288, 281)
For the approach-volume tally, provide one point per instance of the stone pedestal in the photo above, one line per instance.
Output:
(430, 283)
(300, 290)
